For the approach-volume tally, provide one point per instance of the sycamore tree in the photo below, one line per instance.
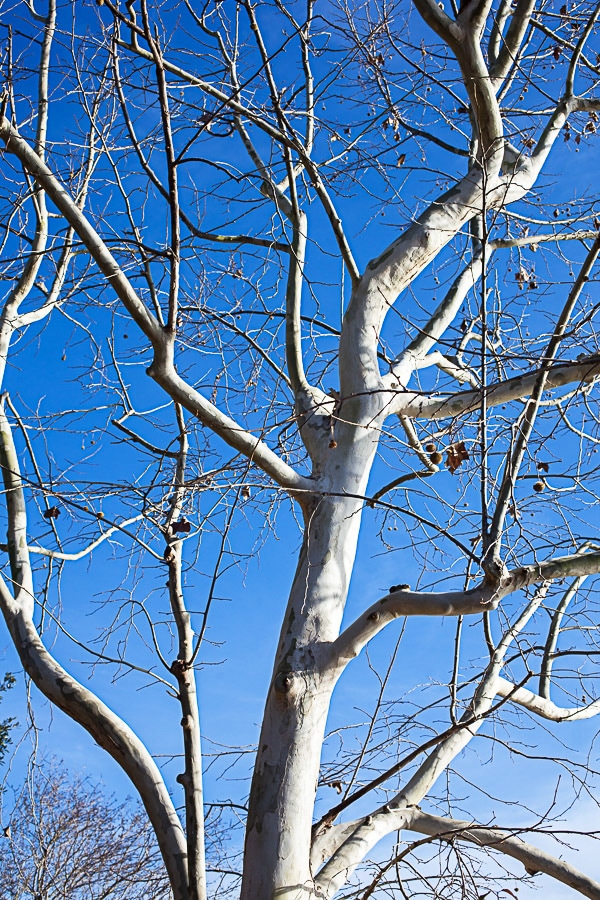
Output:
(292, 270)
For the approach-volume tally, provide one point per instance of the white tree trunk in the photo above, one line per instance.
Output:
(278, 835)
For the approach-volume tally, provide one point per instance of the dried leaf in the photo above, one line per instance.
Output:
(456, 455)
(53, 512)
(181, 526)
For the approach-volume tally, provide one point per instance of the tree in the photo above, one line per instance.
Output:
(68, 839)
(7, 724)
(337, 256)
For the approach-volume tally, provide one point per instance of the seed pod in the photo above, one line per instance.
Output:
(539, 486)
(430, 447)
(436, 457)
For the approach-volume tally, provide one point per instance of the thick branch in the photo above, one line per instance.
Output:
(427, 407)
(544, 707)
(409, 603)
(534, 859)
(511, 41)
(293, 305)
(479, 599)
(393, 815)
(164, 373)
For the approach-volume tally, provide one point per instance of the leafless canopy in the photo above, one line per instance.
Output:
(290, 270)
(67, 838)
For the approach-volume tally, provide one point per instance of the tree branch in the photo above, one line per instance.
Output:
(510, 43)
(526, 421)
(543, 706)
(393, 815)
(439, 322)
(426, 407)
(163, 368)
(482, 598)
(409, 603)
(65, 692)
(87, 233)
(534, 859)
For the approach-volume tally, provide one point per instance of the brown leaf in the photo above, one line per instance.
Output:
(181, 526)
(455, 455)
(543, 466)
(53, 512)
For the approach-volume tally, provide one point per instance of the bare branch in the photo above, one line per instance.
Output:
(401, 601)
(88, 234)
(107, 729)
(581, 371)
(534, 859)
(508, 44)
(543, 706)
(162, 369)
(585, 34)
(404, 602)
(439, 321)
(516, 453)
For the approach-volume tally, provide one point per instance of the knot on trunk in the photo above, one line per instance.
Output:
(179, 667)
(284, 682)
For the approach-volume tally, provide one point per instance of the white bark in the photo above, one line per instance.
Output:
(543, 706)
(423, 406)
(341, 433)
(370, 830)
(278, 834)
(183, 669)
(534, 859)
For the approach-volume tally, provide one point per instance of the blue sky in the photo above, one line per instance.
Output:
(58, 365)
